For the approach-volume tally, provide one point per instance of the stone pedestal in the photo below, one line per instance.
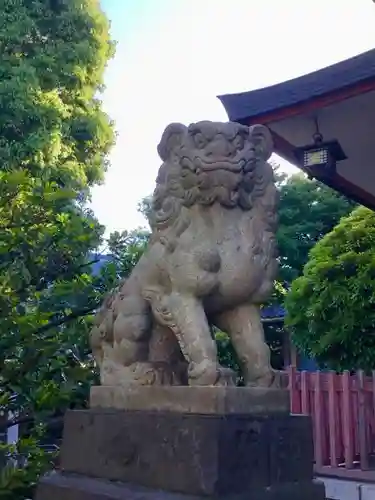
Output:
(182, 443)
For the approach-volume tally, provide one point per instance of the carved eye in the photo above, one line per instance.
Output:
(239, 142)
(199, 140)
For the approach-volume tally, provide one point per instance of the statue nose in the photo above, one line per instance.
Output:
(220, 148)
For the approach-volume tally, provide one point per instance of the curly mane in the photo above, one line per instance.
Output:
(180, 185)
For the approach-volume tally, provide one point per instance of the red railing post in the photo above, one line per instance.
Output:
(362, 424)
(318, 420)
(347, 419)
(332, 419)
(305, 393)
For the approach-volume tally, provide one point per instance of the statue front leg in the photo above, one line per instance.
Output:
(243, 325)
(185, 316)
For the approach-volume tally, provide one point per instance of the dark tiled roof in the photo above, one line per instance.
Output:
(358, 69)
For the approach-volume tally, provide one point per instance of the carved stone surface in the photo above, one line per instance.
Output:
(203, 400)
(72, 487)
(189, 453)
(211, 261)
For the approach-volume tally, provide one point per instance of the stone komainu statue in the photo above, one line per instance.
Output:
(211, 260)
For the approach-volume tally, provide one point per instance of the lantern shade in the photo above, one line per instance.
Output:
(320, 159)
(341, 99)
(315, 157)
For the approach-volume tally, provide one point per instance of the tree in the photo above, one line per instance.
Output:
(145, 207)
(331, 306)
(126, 249)
(307, 211)
(54, 144)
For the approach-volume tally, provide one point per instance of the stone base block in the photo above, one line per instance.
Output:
(185, 399)
(59, 486)
(188, 453)
(184, 443)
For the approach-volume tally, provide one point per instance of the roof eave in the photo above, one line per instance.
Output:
(356, 73)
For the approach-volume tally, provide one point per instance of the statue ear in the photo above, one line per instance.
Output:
(261, 137)
(171, 139)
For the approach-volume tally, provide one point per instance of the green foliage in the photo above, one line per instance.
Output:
(60, 369)
(226, 354)
(145, 207)
(26, 462)
(54, 144)
(126, 249)
(331, 306)
(52, 59)
(307, 211)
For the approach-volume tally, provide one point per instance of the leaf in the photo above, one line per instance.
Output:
(54, 146)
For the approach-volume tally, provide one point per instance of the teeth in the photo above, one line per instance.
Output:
(187, 163)
(197, 163)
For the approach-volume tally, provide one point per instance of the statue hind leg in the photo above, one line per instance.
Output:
(126, 359)
(185, 316)
(243, 325)
(165, 351)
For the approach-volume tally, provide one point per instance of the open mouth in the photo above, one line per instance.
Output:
(200, 164)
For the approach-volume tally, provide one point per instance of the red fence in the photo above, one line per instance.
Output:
(342, 407)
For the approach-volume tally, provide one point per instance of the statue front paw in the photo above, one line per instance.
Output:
(208, 373)
(227, 377)
(139, 373)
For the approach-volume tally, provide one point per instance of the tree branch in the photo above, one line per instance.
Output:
(53, 276)
(44, 328)
(85, 311)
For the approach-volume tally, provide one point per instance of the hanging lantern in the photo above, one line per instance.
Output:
(320, 158)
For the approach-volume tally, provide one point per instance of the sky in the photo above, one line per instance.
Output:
(175, 56)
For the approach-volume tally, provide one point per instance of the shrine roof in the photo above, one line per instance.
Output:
(340, 101)
(344, 74)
